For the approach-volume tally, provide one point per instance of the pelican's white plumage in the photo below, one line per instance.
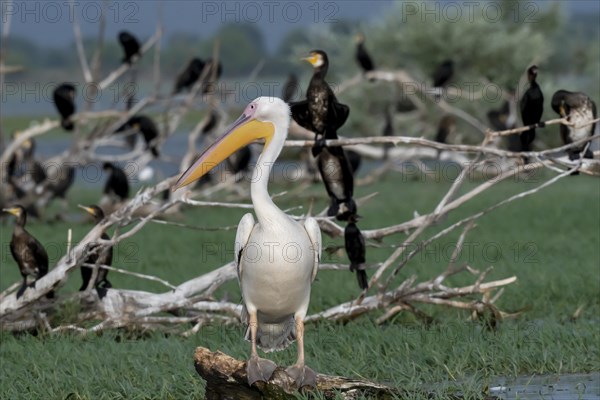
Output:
(277, 257)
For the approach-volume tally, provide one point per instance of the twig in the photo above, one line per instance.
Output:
(87, 74)
(441, 146)
(197, 228)
(136, 274)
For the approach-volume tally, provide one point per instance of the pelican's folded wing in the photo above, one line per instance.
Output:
(242, 236)
(314, 233)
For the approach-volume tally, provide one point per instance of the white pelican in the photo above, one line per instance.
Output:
(277, 257)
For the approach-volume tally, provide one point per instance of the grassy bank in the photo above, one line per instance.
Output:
(550, 241)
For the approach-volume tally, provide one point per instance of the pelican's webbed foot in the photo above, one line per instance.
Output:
(302, 375)
(259, 369)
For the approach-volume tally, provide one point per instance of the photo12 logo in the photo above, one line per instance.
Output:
(70, 11)
(253, 12)
(37, 92)
(470, 11)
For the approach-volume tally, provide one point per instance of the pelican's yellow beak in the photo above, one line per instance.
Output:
(243, 132)
(14, 211)
(87, 209)
(312, 58)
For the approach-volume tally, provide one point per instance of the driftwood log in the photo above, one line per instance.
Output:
(226, 378)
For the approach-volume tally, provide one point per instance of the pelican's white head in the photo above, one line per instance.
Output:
(265, 118)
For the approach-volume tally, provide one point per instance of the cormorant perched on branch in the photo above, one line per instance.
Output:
(579, 110)
(23, 160)
(28, 252)
(362, 56)
(147, 128)
(25, 156)
(499, 118)
(532, 108)
(130, 45)
(320, 112)
(356, 249)
(64, 100)
(116, 184)
(97, 256)
(213, 120)
(189, 76)
(446, 127)
(388, 130)
(208, 82)
(27, 147)
(443, 73)
(62, 181)
(290, 88)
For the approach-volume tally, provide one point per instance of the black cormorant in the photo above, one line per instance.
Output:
(532, 108)
(362, 57)
(355, 248)
(189, 76)
(209, 81)
(116, 184)
(213, 120)
(33, 167)
(36, 171)
(62, 181)
(320, 112)
(443, 73)
(102, 256)
(64, 100)
(28, 147)
(290, 88)
(499, 118)
(446, 127)
(147, 128)
(579, 110)
(388, 130)
(11, 168)
(130, 45)
(28, 252)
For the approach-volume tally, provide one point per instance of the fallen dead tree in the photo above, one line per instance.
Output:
(193, 301)
(226, 379)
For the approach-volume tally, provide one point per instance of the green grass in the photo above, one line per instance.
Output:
(550, 241)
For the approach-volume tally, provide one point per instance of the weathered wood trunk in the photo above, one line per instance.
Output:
(226, 379)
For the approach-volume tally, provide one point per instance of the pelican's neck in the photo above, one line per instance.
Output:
(266, 211)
